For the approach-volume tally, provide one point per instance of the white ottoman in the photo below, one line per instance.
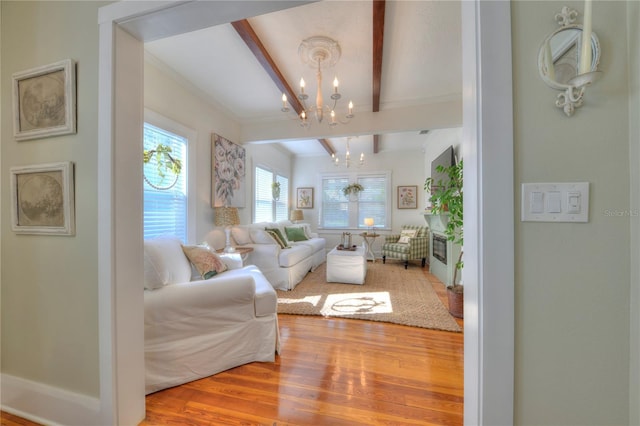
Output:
(345, 266)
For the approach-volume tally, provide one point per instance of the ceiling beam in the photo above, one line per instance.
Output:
(377, 42)
(246, 32)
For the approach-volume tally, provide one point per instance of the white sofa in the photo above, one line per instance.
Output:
(196, 328)
(283, 267)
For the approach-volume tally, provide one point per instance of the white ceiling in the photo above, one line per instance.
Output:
(421, 62)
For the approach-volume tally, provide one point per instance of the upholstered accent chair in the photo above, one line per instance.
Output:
(411, 244)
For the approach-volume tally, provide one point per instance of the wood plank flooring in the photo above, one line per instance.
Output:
(330, 372)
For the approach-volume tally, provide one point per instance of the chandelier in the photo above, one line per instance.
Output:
(347, 158)
(319, 52)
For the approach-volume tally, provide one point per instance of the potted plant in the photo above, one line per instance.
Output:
(275, 190)
(166, 165)
(447, 196)
(353, 188)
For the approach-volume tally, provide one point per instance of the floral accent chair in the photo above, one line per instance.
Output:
(411, 244)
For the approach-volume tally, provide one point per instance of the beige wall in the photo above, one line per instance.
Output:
(49, 283)
(572, 280)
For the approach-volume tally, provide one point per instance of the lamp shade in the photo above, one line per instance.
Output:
(297, 215)
(225, 216)
(368, 221)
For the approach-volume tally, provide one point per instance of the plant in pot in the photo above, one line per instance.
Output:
(275, 190)
(163, 169)
(352, 189)
(447, 197)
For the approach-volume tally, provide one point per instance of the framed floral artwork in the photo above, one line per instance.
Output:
(408, 197)
(304, 198)
(228, 185)
(44, 101)
(43, 199)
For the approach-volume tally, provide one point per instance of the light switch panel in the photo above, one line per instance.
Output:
(555, 202)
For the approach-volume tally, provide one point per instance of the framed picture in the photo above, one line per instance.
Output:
(228, 173)
(43, 199)
(44, 101)
(408, 197)
(304, 198)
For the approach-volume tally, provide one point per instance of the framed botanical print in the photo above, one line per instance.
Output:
(43, 199)
(408, 197)
(304, 198)
(228, 185)
(44, 101)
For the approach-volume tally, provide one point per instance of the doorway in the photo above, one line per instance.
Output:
(489, 294)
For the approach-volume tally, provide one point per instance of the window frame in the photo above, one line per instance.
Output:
(352, 177)
(274, 175)
(172, 126)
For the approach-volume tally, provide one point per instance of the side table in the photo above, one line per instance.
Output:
(241, 252)
(369, 240)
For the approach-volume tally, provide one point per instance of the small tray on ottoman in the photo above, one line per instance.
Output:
(341, 247)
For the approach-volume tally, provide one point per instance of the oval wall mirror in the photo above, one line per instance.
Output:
(559, 56)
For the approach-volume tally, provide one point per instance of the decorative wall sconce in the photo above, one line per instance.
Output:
(568, 58)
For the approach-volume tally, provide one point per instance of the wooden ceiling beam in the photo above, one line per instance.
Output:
(251, 39)
(377, 42)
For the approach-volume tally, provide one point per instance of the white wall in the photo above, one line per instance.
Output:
(407, 168)
(168, 96)
(572, 280)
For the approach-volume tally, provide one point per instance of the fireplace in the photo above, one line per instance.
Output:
(439, 244)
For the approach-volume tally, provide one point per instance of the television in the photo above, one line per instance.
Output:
(446, 159)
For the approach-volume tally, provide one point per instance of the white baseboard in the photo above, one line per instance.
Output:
(47, 404)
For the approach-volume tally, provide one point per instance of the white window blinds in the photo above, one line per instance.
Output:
(165, 210)
(266, 209)
(339, 211)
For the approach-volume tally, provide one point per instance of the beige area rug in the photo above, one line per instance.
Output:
(390, 294)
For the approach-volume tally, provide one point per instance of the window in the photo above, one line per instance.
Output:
(267, 209)
(165, 202)
(339, 211)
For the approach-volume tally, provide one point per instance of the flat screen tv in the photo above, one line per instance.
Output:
(446, 159)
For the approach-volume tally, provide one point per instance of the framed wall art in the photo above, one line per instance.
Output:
(44, 101)
(408, 197)
(43, 199)
(228, 185)
(304, 198)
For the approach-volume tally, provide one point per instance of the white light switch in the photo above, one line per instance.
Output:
(537, 202)
(573, 202)
(555, 202)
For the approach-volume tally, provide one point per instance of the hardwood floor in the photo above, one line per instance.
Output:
(331, 372)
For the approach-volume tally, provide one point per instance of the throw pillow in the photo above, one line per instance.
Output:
(260, 236)
(276, 238)
(241, 235)
(285, 242)
(206, 262)
(405, 234)
(295, 234)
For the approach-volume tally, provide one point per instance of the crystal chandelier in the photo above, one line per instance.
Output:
(319, 52)
(347, 158)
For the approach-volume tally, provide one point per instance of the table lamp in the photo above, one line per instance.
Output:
(297, 215)
(368, 221)
(227, 217)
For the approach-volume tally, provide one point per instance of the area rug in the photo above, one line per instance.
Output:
(390, 293)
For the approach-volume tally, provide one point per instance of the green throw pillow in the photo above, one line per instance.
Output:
(295, 234)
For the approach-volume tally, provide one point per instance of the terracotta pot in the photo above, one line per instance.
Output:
(455, 295)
